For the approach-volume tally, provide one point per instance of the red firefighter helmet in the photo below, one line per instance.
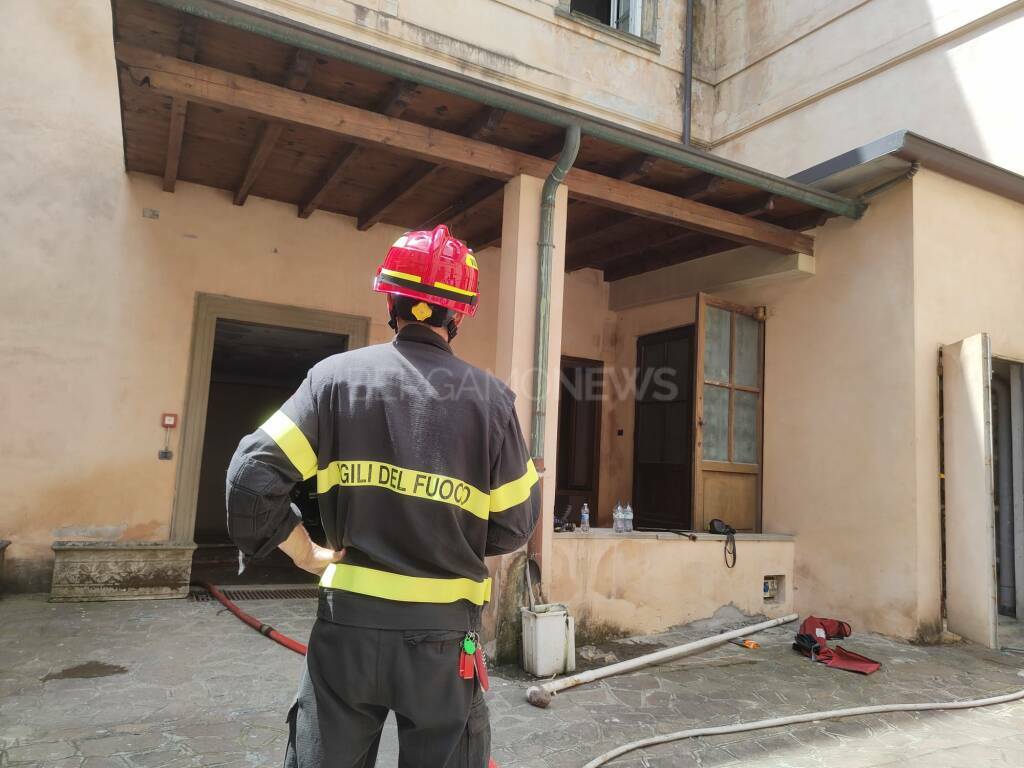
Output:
(432, 266)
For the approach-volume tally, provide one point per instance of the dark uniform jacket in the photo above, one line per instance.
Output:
(421, 472)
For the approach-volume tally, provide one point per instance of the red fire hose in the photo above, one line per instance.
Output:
(264, 629)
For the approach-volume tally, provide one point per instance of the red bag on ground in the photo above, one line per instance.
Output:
(812, 641)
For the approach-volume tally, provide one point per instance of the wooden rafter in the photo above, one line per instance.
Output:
(298, 76)
(696, 246)
(187, 41)
(392, 105)
(480, 127)
(581, 250)
(173, 77)
(663, 237)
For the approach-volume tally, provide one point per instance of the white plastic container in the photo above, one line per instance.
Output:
(549, 640)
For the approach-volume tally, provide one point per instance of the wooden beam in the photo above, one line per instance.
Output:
(175, 136)
(632, 171)
(298, 76)
(480, 127)
(173, 77)
(661, 237)
(581, 251)
(392, 105)
(636, 169)
(187, 40)
(469, 202)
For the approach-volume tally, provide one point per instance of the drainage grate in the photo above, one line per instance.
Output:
(288, 593)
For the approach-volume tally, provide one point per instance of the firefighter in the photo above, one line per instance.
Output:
(421, 472)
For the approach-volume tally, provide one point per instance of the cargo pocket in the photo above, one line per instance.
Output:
(477, 738)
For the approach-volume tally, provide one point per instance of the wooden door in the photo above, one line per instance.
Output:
(971, 599)
(577, 471)
(662, 452)
(728, 414)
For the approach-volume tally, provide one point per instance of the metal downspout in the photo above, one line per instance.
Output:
(545, 246)
(688, 74)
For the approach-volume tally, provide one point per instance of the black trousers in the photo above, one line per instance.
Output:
(355, 676)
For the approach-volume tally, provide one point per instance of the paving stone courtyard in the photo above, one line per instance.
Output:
(169, 684)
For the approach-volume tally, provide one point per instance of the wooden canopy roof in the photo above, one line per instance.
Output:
(216, 104)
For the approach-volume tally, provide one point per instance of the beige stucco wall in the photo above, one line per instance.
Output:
(969, 278)
(839, 443)
(840, 455)
(647, 582)
(98, 300)
(800, 82)
(525, 46)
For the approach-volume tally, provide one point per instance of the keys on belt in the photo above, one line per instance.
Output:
(471, 660)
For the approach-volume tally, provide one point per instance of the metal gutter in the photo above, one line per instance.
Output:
(545, 246)
(299, 35)
(896, 153)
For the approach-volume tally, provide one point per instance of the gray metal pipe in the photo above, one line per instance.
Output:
(688, 74)
(545, 246)
(1005, 570)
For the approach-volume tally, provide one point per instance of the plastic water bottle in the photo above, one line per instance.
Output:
(585, 518)
(627, 519)
(617, 518)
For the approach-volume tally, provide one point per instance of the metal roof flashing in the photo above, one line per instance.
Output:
(878, 162)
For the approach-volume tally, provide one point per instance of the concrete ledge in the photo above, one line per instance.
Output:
(648, 581)
(608, 533)
(120, 570)
(732, 269)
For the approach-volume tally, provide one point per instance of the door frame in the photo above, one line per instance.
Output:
(598, 364)
(209, 308)
(700, 466)
(969, 513)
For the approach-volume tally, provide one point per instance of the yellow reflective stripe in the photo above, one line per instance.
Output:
(403, 275)
(296, 447)
(408, 589)
(516, 492)
(446, 287)
(471, 261)
(408, 482)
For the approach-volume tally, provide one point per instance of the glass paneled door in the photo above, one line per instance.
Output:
(728, 406)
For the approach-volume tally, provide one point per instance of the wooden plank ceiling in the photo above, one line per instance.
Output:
(211, 104)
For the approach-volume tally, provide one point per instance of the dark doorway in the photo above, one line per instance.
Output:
(579, 436)
(662, 456)
(255, 369)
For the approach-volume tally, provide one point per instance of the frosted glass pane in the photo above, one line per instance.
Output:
(747, 332)
(716, 423)
(716, 344)
(744, 428)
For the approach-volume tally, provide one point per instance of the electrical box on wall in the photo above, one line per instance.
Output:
(169, 420)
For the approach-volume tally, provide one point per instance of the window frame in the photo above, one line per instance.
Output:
(643, 15)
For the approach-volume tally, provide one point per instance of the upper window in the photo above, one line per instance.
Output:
(623, 15)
